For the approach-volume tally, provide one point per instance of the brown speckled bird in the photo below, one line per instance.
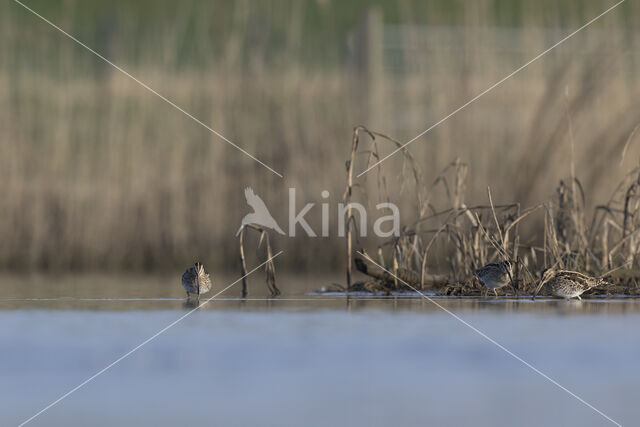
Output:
(567, 284)
(196, 280)
(495, 276)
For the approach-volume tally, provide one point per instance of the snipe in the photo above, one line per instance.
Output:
(567, 284)
(196, 280)
(495, 276)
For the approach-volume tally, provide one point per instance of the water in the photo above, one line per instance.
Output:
(308, 359)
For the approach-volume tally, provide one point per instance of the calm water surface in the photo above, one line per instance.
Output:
(308, 359)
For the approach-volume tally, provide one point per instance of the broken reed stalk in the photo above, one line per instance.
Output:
(496, 244)
(347, 201)
(417, 174)
(495, 218)
(243, 263)
(381, 181)
(270, 268)
(423, 264)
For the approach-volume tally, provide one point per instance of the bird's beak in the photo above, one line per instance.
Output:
(512, 283)
(533, 297)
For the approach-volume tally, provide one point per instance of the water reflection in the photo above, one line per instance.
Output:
(106, 293)
(320, 350)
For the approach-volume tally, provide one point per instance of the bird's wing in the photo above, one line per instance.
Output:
(585, 282)
(249, 194)
(254, 200)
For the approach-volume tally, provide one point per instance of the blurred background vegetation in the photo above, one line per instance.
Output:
(96, 173)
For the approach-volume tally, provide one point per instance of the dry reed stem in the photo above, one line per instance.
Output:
(270, 269)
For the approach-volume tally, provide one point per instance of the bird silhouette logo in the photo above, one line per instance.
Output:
(260, 215)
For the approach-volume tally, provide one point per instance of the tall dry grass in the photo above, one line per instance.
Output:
(97, 173)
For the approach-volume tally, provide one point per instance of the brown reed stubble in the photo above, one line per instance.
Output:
(269, 267)
(486, 235)
(95, 173)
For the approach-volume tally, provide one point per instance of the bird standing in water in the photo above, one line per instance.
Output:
(196, 280)
(495, 276)
(567, 284)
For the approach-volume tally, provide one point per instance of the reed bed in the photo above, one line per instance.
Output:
(98, 174)
(603, 243)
